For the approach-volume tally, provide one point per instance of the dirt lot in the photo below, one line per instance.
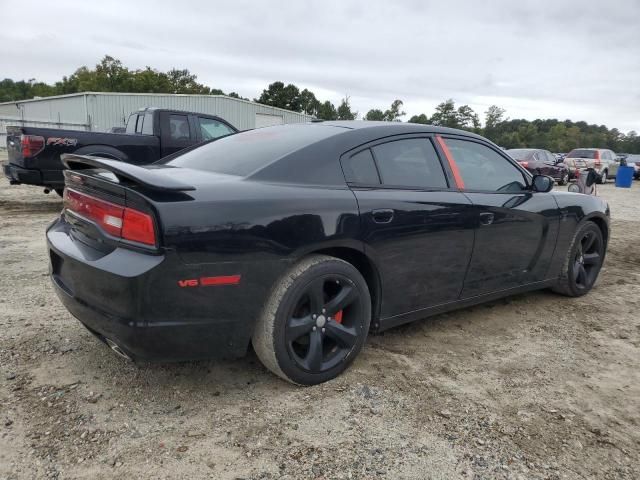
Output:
(533, 386)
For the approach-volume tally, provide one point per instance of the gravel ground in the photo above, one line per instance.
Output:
(532, 386)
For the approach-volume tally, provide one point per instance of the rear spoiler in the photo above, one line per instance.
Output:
(143, 176)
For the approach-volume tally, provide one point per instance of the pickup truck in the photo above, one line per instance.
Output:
(150, 134)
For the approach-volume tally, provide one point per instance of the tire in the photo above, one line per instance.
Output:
(602, 179)
(293, 321)
(583, 262)
(564, 179)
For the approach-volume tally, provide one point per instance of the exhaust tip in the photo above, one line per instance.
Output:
(114, 346)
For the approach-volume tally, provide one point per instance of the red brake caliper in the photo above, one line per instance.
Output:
(338, 317)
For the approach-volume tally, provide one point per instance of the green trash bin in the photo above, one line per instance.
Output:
(624, 177)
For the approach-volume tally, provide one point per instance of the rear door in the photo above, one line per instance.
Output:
(177, 131)
(414, 224)
(515, 228)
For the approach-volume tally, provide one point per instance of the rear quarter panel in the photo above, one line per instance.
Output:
(250, 229)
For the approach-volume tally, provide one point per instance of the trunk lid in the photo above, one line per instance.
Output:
(109, 203)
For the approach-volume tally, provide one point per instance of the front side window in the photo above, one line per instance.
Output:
(179, 127)
(211, 128)
(410, 163)
(481, 168)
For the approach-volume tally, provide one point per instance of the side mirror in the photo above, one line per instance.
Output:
(542, 183)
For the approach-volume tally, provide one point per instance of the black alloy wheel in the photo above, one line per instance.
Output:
(587, 260)
(315, 322)
(583, 261)
(323, 326)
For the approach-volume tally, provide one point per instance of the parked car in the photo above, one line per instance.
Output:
(541, 162)
(151, 133)
(633, 160)
(302, 238)
(603, 161)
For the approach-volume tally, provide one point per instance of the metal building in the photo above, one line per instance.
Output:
(100, 111)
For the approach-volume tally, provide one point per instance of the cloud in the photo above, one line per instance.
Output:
(574, 59)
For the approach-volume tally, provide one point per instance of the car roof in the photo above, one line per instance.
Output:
(393, 127)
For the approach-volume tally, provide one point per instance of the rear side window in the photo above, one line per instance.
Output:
(484, 169)
(361, 168)
(211, 128)
(410, 163)
(246, 152)
(131, 123)
(179, 127)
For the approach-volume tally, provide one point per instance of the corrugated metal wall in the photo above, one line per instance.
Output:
(106, 110)
(109, 110)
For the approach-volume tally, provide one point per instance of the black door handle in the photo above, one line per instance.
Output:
(383, 215)
(486, 218)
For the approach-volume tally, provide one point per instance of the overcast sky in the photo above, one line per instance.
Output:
(576, 59)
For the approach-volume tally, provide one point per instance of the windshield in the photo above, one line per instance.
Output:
(246, 152)
(582, 153)
(521, 153)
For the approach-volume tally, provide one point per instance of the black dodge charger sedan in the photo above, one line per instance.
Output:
(300, 239)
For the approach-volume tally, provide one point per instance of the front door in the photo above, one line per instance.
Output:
(516, 228)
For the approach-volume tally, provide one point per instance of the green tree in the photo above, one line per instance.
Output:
(327, 111)
(446, 115)
(467, 118)
(112, 76)
(422, 118)
(394, 113)
(309, 104)
(493, 116)
(183, 81)
(375, 114)
(281, 96)
(344, 110)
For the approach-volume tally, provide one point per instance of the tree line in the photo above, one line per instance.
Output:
(110, 75)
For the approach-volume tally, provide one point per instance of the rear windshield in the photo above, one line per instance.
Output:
(520, 153)
(582, 153)
(246, 152)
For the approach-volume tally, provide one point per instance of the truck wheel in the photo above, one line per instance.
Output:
(315, 322)
(583, 262)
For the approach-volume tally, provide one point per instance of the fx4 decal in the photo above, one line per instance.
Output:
(62, 142)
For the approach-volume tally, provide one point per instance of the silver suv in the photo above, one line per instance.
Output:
(603, 161)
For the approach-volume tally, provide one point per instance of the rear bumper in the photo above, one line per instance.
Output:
(46, 178)
(134, 300)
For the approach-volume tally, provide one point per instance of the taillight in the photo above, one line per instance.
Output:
(31, 145)
(524, 164)
(116, 220)
(597, 158)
